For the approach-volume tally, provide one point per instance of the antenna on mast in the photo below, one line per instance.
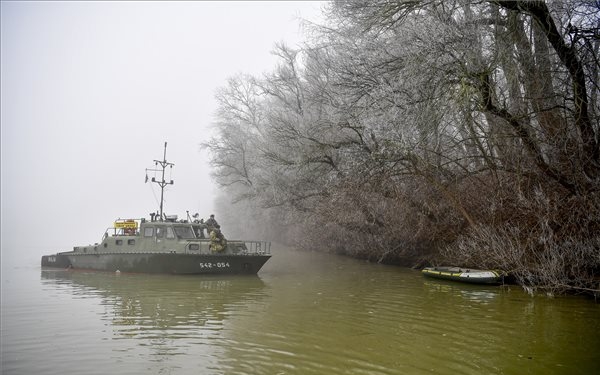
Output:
(162, 183)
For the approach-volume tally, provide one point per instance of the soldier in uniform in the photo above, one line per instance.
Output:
(211, 223)
(218, 242)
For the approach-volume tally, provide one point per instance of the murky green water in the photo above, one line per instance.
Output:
(305, 313)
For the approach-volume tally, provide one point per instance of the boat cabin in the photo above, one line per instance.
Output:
(170, 235)
(169, 229)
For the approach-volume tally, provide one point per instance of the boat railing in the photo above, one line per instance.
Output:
(112, 231)
(258, 247)
(124, 227)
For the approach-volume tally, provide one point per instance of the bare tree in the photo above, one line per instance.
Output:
(411, 127)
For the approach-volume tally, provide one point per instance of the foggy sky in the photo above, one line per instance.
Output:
(92, 90)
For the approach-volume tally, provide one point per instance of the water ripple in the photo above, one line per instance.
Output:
(322, 315)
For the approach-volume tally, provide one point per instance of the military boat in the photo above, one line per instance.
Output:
(164, 244)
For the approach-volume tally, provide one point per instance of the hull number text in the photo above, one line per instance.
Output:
(215, 265)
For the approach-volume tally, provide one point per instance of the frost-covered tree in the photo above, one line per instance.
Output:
(409, 127)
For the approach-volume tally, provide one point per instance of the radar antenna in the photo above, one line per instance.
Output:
(162, 183)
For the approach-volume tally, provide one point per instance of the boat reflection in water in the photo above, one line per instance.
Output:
(473, 293)
(165, 307)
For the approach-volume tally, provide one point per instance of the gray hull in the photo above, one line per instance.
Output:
(183, 264)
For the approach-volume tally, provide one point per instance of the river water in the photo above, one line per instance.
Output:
(305, 313)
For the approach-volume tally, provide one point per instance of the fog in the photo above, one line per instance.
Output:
(92, 90)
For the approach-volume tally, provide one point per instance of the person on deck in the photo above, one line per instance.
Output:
(218, 242)
(211, 223)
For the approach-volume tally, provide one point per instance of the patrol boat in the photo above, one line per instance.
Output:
(164, 244)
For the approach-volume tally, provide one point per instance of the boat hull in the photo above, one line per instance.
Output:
(465, 275)
(167, 263)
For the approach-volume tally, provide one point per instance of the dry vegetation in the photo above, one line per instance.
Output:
(426, 132)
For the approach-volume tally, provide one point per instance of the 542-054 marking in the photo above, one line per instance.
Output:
(215, 265)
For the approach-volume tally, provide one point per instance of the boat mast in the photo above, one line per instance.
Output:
(162, 183)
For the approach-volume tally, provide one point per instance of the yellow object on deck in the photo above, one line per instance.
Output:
(128, 224)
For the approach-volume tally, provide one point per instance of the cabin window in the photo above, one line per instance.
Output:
(119, 242)
(160, 232)
(185, 233)
(194, 246)
(170, 233)
(130, 242)
(105, 245)
(148, 231)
